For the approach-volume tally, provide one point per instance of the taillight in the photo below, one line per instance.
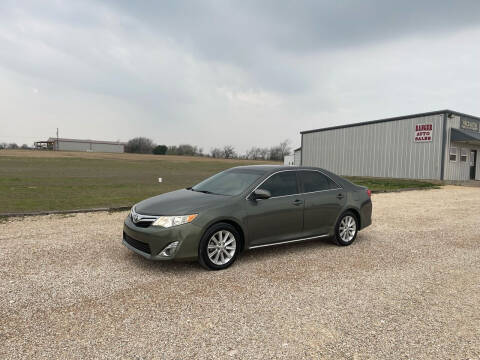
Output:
(369, 193)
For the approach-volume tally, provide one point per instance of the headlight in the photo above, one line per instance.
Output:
(169, 221)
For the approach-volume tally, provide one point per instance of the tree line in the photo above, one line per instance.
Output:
(143, 145)
(13, 146)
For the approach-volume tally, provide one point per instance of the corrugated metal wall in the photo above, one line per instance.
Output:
(297, 156)
(457, 170)
(385, 149)
(87, 146)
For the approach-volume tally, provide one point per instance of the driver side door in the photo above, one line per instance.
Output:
(280, 217)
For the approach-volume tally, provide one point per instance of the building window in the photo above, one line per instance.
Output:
(463, 155)
(453, 154)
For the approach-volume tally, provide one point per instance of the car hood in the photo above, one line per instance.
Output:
(179, 202)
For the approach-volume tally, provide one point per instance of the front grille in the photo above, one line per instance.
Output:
(143, 224)
(137, 244)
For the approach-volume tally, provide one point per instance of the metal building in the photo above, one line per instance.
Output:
(297, 156)
(289, 160)
(442, 145)
(63, 144)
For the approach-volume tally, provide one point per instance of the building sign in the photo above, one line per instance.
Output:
(423, 132)
(469, 124)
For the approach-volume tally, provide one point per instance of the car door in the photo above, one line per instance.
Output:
(279, 218)
(323, 201)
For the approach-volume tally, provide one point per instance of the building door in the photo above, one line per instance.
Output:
(473, 163)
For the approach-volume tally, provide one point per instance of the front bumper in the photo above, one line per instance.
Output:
(150, 241)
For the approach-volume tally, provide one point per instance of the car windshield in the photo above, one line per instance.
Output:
(230, 182)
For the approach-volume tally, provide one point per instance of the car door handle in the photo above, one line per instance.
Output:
(340, 196)
(297, 202)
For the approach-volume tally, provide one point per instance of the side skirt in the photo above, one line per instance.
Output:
(287, 242)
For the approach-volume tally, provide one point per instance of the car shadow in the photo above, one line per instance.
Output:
(250, 256)
(174, 267)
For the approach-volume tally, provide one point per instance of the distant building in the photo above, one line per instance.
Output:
(297, 156)
(63, 144)
(443, 145)
(288, 160)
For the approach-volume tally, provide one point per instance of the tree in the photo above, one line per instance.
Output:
(185, 149)
(216, 153)
(25, 147)
(264, 152)
(12, 146)
(254, 153)
(229, 152)
(140, 145)
(285, 148)
(276, 153)
(3, 145)
(160, 150)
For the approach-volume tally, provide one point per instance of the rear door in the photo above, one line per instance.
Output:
(324, 200)
(279, 218)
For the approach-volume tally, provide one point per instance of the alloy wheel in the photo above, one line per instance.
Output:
(347, 228)
(221, 247)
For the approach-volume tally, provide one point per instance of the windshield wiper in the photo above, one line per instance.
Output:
(204, 191)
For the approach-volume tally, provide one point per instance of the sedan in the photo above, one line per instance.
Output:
(245, 208)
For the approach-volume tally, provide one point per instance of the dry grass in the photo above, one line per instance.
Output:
(118, 156)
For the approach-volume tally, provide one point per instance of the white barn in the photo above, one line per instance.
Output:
(63, 144)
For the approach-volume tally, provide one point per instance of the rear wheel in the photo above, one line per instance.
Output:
(346, 229)
(219, 247)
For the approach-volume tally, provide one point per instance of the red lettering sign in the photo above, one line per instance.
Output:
(423, 132)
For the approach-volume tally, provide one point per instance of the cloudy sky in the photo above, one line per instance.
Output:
(210, 73)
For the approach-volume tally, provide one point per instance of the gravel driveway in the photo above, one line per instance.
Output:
(409, 287)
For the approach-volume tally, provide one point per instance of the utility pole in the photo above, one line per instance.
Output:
(57, 141)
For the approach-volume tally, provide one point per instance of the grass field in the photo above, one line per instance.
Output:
(37, 180)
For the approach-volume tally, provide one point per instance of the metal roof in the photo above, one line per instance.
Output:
(88, 141)
(461, 135)
(446, 111)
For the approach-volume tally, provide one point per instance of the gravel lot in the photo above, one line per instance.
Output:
(409, 287)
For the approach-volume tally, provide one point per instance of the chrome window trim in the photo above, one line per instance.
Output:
(287, 241)
(310, 192)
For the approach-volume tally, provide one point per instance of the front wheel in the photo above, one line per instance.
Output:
(219, 247)
(346, 229)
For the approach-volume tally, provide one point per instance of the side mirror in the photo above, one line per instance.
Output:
(261, 194)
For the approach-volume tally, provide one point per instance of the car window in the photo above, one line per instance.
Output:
(281, 184)
(315, 181)
(230, 182)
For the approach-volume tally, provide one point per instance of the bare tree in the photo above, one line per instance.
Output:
(228, 152)
(12, 146)
(216, 153)
(140, 145)
(254, 153)
(264, 153)
(285, 148)
(276, 153)
(25, 147)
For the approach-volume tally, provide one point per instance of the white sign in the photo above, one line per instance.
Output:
(423, 132)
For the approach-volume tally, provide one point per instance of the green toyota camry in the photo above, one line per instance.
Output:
(244, 208)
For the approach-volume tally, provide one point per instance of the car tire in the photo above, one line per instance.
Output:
(346, 229)
(219, 247)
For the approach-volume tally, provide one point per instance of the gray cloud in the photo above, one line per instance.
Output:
(217, 67)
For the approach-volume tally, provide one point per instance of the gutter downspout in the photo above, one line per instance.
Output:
(444, 144)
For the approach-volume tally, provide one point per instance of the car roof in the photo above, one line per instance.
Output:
(267, 169)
